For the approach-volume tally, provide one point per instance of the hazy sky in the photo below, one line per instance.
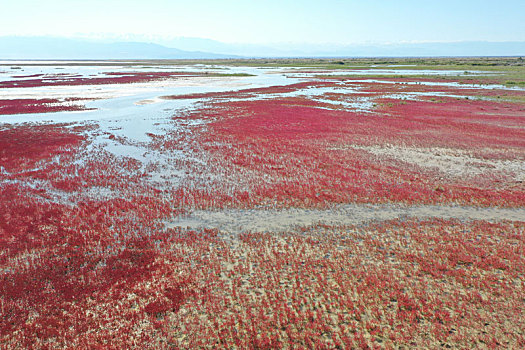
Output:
(270, 21)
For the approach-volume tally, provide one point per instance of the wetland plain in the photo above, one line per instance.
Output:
(272, 203)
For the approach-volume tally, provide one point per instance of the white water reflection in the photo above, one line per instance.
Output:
(341, 72)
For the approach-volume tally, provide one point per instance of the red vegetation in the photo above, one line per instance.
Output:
(22, 147)
(44, 105)
(28, 76)
(86, 261)
(72, 278)
(462, 124)
(409, 283)
(115, 78)
(289, 152)
(92, 274)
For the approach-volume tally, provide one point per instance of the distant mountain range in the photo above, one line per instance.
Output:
(199, 48)
(61, 48)
(465, 48)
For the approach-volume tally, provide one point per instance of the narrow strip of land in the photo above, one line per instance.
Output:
(259, 220)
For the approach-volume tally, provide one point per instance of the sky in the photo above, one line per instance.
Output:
(269, 21)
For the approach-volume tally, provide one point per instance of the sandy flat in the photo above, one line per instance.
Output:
(259, 220)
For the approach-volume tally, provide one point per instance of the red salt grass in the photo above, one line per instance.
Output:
(462, 124)
(121, 78)
(97, 273)
(60, 262)
(44, 105)
(371, 286)
(22, 147)
(288, 152)
(28, 76)
(104, 273)
(88, 276)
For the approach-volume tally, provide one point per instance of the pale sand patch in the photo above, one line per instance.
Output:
(454, 162)
(149, 101)
(268, 220)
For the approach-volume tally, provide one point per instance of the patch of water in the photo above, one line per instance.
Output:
(393, 72)
(444, 83)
